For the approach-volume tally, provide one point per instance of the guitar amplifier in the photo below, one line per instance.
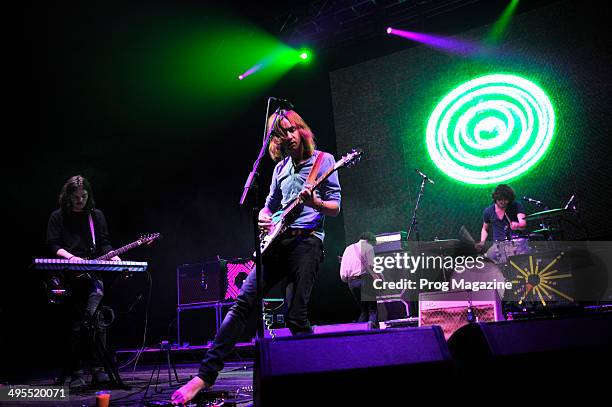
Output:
(453, 309)
(201, 283)
(212, 281)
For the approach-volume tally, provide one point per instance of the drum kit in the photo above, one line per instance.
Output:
(550, 228)
(510, 259)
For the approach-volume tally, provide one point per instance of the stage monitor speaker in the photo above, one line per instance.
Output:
(536, 360)
(349, 368)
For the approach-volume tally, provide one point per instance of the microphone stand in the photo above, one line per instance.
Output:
(251, 183)
(415, 227)
(413, 223)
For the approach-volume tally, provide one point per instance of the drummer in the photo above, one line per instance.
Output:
(504, 218)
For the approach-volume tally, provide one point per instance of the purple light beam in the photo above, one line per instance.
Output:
(454, 46)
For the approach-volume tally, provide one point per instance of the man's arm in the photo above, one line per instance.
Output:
(520, 215)
(328, 200)
(521, 224)
(368, 258)
(344, 265)
(484, 233)
(327, 208)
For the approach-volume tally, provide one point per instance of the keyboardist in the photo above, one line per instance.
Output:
(77, 230)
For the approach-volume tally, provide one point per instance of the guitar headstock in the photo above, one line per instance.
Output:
(149, 238)
(351, 158)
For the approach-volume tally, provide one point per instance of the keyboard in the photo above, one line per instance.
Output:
(90, 265)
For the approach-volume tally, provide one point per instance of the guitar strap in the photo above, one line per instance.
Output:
(93, 234)
(314, 171)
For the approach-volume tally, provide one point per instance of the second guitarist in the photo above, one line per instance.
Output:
(295, 255)
(75, 231)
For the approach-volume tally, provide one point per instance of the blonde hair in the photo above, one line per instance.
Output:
(276, 149)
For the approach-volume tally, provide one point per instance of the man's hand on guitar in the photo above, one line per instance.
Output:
(265, 222)
(310, 198)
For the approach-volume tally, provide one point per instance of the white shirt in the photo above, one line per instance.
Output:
(356, 260)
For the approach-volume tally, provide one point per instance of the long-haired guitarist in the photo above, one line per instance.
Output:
(295, 253)
(75, 231)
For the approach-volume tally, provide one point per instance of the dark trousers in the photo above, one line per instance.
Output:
(293, 258)
(368, 308)
(85, 298)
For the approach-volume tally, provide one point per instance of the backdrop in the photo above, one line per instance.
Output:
(384, 105)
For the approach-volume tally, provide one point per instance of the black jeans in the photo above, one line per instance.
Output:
(293, 258)
(368, 308)
(85, 298)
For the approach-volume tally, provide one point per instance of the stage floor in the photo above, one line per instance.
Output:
(236, 379)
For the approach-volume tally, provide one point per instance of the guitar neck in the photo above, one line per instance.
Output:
(119, 251)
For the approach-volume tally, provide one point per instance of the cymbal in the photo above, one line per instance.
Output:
(546, 230)
(546, 214)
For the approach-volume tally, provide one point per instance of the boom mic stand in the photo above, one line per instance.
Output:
(251, 183)
(414, 226)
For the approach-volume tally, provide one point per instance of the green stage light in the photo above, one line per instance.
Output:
(490, 129)
(500, 26)
(304, 55)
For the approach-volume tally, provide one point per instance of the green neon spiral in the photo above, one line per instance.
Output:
(490, 129)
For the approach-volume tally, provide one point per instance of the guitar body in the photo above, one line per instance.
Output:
(279, 226)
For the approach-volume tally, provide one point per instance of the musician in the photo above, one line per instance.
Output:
(78, 230)
(294, 256)
(504, 218)
(356, 269)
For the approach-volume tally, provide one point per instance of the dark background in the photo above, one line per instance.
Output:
(75, 106)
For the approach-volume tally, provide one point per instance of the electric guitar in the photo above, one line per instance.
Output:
(55, 287)
(144, 239)
(282, 219)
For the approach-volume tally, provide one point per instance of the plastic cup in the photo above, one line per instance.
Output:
(103, 398)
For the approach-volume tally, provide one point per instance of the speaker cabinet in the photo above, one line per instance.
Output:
(200, 283)
(349, 368)
(536, 360)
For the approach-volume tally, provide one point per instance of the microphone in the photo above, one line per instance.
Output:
(533, 201)
(424, 176)
(283, 103)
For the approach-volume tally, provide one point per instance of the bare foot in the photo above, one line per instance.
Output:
(189, 391)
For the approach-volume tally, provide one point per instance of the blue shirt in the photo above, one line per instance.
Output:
(288, 181)
(501, 228)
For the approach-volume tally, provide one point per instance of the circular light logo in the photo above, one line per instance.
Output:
(490, 129)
